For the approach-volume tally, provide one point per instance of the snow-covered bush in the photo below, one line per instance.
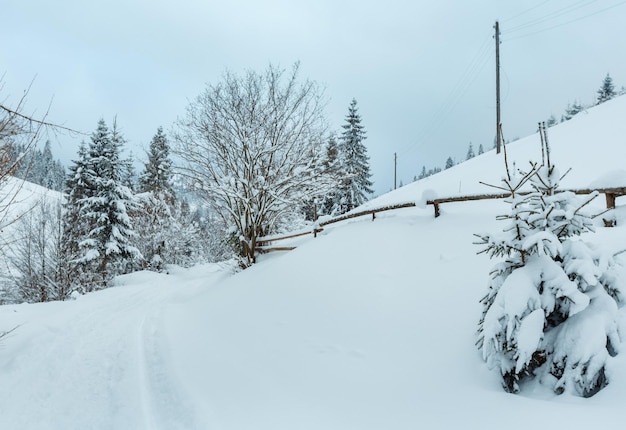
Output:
(551, 306)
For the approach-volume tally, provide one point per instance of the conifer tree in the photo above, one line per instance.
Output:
(449, 162)
(356, 186)
(107, 248)
(470, 152)
(74, 226)
(52, 172)
(157, 175)
(128, 173)
(606, 91)
(38, 166)
(480, 149)
(551, 306)
(156, 220)
(572, 110)
(333, 168)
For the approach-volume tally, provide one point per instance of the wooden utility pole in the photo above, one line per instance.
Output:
(395, 169)
(498, 121)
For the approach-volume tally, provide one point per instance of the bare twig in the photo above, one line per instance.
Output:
(40, 122)
(493, 186)
(4, 333)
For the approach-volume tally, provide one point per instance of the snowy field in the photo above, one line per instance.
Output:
(369, 326)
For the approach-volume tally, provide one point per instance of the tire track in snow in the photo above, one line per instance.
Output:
(164, 404)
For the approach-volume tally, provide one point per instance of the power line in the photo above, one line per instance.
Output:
(551, 16)
(567, 22)
(455, 95)
(526, 11)
(483, 54)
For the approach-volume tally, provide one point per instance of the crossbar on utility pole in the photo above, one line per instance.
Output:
(498, 120)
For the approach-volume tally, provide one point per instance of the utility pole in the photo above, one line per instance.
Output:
(395, 169)
(498, 121)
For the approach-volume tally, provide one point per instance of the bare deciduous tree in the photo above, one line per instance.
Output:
(18, 127)
(35, 258)
(14, 126)
(251, 146)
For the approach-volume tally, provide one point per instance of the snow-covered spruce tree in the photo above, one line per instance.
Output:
(606, 91)
(551, 306)
(330, 203)
(154, 220)
(470, 152)
(480, 149)
(246, 145)
(107, 247)
(449, 163)
(128, 173)
(75, 226)
(157, 174)
(571, 110)
(356, 186)
(47, 171)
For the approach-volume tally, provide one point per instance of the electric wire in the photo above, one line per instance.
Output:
(567, 22)
(478, 62)
(524, 12)
(455, 95)
(550, 16)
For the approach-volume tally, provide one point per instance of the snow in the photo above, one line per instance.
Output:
(529, 336)
(17, 196)
(371, 325)
(614, 178)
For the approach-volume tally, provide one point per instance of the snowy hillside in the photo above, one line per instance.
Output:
(18, 196)
(369, 326)
(592, 144)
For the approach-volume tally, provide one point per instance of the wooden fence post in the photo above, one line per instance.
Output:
(610, 204)
(610, 201)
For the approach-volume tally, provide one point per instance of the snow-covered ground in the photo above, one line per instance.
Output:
(369, 326)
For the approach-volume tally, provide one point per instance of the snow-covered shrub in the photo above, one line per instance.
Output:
(551, 306)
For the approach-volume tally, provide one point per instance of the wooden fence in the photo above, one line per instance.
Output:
(610, 194)
(264, 242)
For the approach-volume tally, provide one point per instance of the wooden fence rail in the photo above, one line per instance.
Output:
(610, 194)
(268, 240)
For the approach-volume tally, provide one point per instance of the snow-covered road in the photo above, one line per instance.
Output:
(369, 326)
(98, 362)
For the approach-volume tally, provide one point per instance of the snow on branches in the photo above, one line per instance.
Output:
(251, 146)
(551, 306)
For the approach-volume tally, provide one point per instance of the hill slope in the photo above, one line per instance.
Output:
(369, 326)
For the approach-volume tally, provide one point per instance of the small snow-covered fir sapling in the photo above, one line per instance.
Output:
(551, 307)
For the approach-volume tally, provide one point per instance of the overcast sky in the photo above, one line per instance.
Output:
(423, 73)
